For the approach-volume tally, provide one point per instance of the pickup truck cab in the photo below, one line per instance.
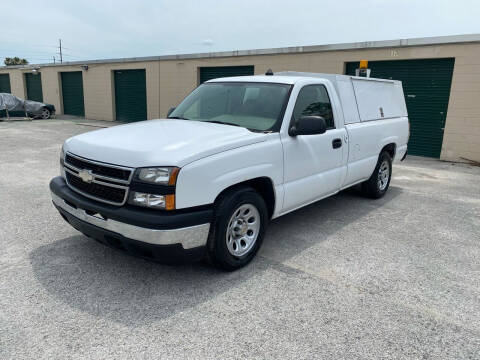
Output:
(234, 154)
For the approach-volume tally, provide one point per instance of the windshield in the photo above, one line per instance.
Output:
(255, 106)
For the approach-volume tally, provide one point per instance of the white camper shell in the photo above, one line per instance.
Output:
(362, 98)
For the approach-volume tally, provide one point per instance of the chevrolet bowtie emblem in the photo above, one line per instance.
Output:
(86, 175)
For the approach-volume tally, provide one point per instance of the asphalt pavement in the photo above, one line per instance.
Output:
(344, 278)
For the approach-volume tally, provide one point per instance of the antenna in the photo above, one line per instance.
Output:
(269, 72)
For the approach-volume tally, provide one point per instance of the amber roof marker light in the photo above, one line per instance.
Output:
(363, 69)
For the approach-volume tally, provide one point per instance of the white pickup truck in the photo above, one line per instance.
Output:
(234, 154)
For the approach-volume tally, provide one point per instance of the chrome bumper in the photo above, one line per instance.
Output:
(188, 237)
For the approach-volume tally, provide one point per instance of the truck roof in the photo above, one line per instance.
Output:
(291, 77)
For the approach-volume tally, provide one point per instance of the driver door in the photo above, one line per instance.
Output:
(312, 163)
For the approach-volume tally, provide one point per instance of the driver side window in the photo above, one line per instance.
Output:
(313, 100)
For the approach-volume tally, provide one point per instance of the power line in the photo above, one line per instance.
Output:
(19, 52)
(30, 57)
(26, 55)
(31, 47)
(43, 45)
(42, 55)
(78, 57)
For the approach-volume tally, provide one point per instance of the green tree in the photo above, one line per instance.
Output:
(15, 61)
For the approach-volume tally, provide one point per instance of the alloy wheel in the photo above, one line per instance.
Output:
(383, 175)
(243, 229)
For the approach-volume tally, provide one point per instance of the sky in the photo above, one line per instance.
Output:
(105, 29)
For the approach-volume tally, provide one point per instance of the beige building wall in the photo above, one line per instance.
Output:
(169, 80)
(50, 86)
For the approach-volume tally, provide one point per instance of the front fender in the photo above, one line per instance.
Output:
(200, 182)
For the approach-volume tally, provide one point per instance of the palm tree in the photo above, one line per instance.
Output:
(15, 61)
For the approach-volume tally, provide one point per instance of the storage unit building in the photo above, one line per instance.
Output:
(440, 75)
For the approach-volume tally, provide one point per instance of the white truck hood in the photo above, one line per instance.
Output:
(166, 142)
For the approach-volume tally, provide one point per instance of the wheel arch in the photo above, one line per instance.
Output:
(390, 148)
(262, 185)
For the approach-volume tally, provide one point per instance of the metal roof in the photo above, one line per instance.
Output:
(439, 40)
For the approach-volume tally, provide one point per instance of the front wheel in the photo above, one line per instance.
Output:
(378, 184)
(238, 230)
(45, 114)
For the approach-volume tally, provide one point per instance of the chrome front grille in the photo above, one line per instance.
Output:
(99, 181)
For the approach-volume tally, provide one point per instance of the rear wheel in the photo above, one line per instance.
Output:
(378, 184)
(238, 229)
(45, 114)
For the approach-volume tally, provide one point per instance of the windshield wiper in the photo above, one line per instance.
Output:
(220, 122)
(177, 117)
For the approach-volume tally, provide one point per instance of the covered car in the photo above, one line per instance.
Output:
(17, 107)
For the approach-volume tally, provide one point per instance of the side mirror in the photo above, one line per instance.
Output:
(170, 111)
(308, 125)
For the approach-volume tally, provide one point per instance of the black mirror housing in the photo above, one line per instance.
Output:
(170, 111)
(308, 125)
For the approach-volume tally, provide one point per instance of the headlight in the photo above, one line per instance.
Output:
(163, 176)
(158, 175)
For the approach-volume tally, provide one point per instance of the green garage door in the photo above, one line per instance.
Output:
(426, 85)
(33, 83)
(5, 83)
(130, 95)
(208, 73)
(72, 93)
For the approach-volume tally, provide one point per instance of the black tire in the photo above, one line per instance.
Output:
(373, 187)
(229, 203)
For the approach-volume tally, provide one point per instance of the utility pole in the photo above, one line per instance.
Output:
(54, 59)
(60, 46)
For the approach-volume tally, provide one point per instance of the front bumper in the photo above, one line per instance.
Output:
(168, 237)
